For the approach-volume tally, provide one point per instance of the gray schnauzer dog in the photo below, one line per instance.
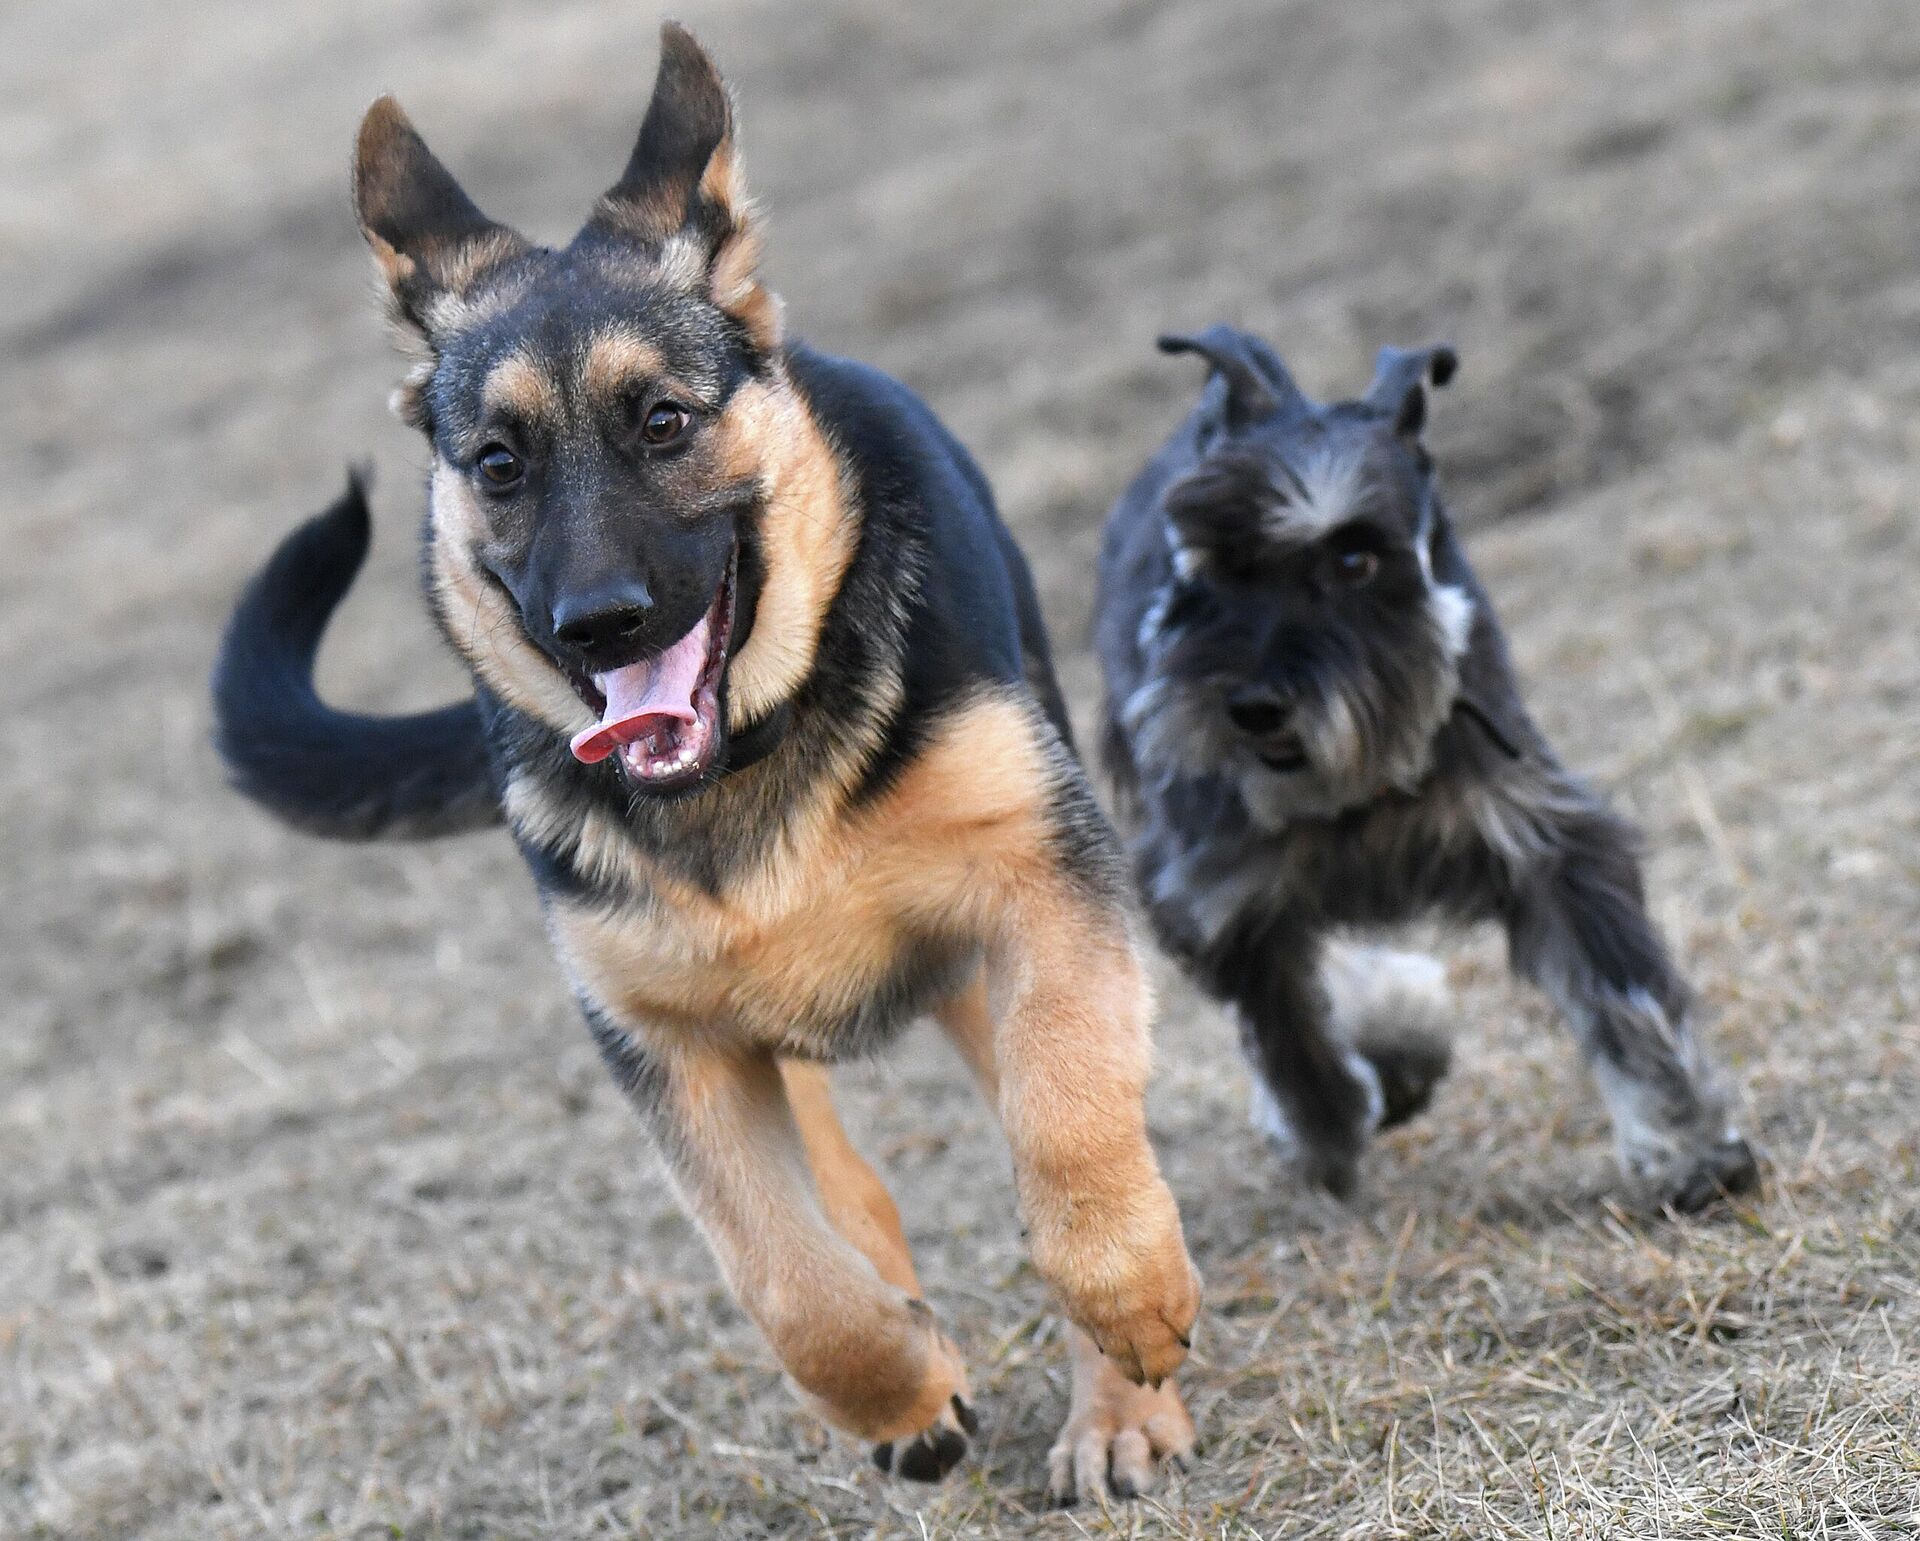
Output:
(1315, 728)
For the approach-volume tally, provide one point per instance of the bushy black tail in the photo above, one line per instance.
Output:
(332, 773)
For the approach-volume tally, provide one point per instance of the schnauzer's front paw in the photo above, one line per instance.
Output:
(1327, 1158)
(1701, 1178)
(934, 1451)
(1118, 1437)
(1410, 1064)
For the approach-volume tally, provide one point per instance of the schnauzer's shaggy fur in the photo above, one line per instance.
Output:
(1314, 726)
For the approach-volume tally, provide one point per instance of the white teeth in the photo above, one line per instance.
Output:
(660, 756)
(652, 768)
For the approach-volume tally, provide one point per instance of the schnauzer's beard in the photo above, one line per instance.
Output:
(1365, 727)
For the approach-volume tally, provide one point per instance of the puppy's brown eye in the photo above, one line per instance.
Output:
(500, 465)
(664, 423)
(1355, 569)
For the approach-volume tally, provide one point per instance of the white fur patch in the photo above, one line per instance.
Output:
(1452, 609)
(1513, 830)
(1155, 615)
(1186, 562)
(683, 262)
(1369, 985)
(1644, 1147)
(1329, 485)
(1270, 1119)
(1366, 985)
(1361, 1069)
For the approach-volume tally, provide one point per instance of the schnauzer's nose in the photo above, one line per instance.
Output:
(1257, 710)
(608, 615)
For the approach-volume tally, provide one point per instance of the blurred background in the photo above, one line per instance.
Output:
(317, 1217)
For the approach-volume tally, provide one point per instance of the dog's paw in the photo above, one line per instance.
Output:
(1335, 1170)
(1409, 1064)
(1118, 1440)
(1120, 1271)
(934, 1451)
(1701, 1178)
(1146, 1328)
(1329, 1157)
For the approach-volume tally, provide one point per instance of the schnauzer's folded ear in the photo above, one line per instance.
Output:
(429, 240)
(682, 199)
(1400, 380)
(1257, 382)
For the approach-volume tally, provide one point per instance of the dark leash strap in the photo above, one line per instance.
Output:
(1468, 707)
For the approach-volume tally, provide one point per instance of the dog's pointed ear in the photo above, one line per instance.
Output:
(682, 197)
(427, 237)
(1256, 381)
(1400, 380)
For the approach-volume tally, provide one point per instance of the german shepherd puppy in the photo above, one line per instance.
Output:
(1316, 726)
(762, 691)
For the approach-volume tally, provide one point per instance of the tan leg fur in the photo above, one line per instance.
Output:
(1116, 1432)
(855, 1200)
(863, 1350)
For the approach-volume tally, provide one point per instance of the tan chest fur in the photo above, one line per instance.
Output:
(797, 947)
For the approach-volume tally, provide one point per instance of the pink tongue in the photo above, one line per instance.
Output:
(645, 696)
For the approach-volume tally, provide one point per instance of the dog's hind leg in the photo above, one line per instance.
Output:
(1578, 927)
(863, 1350)
(855, 1199)
(1117, 1434)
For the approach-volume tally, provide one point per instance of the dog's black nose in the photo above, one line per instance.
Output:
(607, 616)
(1257, 710)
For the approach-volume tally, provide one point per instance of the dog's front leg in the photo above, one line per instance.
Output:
(1117, 1433)
(1579, 928)
(1071, 1050)
(1315, 1096)
(864, 1352)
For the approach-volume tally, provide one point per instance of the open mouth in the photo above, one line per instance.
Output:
(1284, 753)
(661, 716)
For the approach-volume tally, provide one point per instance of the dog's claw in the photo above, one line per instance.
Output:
(963, 1410)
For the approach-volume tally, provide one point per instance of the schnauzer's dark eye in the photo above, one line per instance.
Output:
(664, 423)
(500, 465)
(1355, 569)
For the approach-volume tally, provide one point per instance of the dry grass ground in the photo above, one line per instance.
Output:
(317, 1216)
